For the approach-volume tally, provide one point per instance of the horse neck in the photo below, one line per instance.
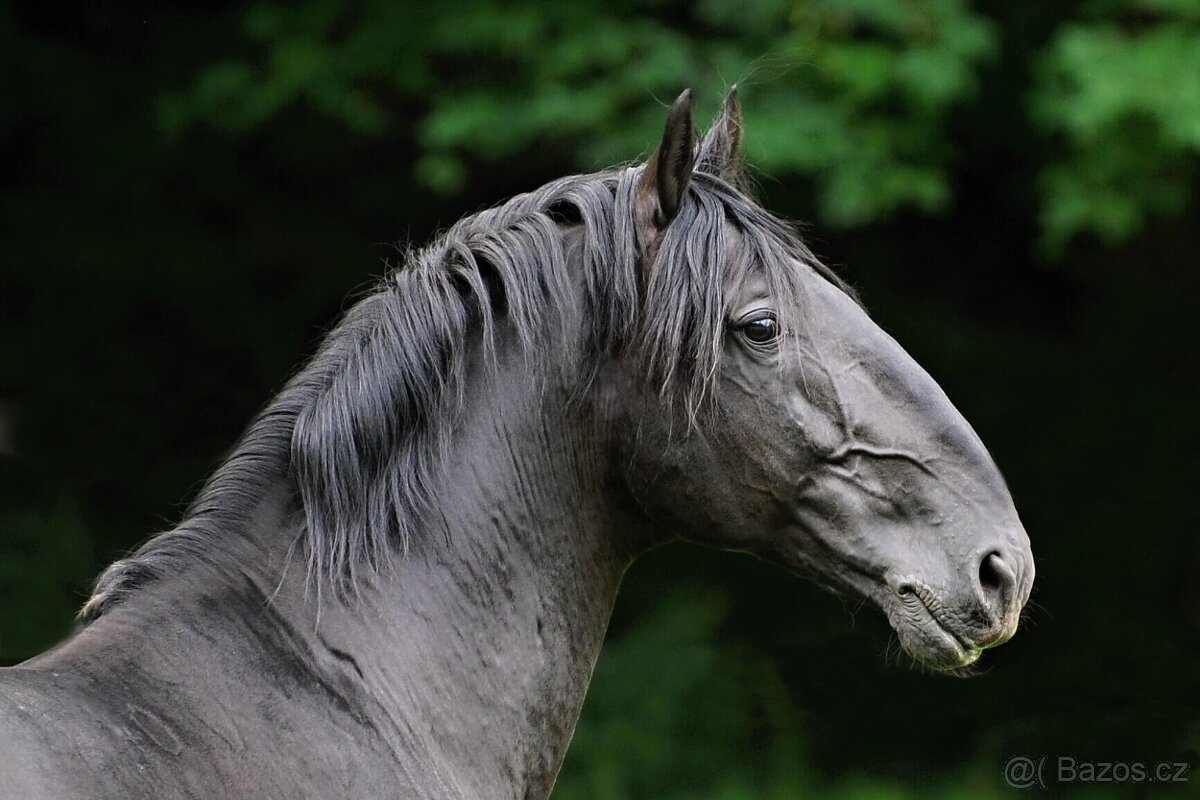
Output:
(458, 671)
(480, 641)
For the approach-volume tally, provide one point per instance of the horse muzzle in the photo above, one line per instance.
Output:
(948, 629)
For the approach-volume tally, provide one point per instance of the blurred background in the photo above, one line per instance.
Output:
(190, 190)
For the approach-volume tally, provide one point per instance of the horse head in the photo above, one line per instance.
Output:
(804, 433)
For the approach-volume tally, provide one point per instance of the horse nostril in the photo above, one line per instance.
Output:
(997, 581)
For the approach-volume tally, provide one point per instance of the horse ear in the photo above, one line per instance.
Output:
(721, 150)
(663, 182)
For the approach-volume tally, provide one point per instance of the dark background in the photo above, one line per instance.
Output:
(190, 192)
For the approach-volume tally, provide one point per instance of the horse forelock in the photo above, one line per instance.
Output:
(361, 431)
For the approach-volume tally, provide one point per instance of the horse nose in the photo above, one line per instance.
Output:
(997, 588)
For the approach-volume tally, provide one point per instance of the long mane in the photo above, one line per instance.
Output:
(357, 432)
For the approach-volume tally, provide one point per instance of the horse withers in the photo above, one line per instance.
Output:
(398, 583)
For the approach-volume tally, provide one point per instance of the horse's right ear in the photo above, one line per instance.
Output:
(665, 179)
(721, 149)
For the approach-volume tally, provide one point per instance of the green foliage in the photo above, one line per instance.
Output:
(853, 94)
(707, 706)
(46, 565)
(1123, 92)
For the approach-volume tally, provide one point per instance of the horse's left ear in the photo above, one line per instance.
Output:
(721, 150)
(665, 179)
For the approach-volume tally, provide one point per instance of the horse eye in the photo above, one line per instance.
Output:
(762, 330)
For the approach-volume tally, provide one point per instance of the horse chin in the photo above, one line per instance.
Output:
(928, 641)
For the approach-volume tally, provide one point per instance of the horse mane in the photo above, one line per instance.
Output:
(360, 430)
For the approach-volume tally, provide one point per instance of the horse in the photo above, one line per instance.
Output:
(398, 582)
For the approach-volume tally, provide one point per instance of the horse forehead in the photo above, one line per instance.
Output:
(752, 289)
(756, 287)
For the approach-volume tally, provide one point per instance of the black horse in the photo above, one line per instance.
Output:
(399, 581)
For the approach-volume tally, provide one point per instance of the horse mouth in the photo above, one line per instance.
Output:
(926, 633)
